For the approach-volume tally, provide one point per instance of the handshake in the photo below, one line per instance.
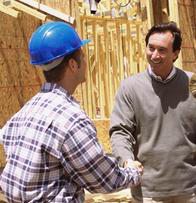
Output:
(134, 166)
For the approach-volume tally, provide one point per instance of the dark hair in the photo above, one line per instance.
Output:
(164, 27)
(56, 74)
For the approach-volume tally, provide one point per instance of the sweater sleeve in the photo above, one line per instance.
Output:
(122, 125)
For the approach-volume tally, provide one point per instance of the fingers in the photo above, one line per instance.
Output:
(139, 166)
(134, 164)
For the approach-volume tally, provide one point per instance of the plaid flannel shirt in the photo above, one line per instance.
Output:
(53, 153)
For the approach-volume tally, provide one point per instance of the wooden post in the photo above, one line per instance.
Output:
(174, 16)
(150, 14)
(100, 73)
(77, 18)
(114, 63)
(120, 54)
(107, 70)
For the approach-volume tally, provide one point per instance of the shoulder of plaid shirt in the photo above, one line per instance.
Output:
(51, 145)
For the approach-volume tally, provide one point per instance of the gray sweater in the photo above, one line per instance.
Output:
(155, 123)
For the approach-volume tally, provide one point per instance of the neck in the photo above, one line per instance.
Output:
(163, 74)
(68, 84)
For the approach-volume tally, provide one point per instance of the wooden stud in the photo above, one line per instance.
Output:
(106, 67)
(174, 16)
(150, 14)
(114, 62)
(111, 41)
(128, 39)
(100, 73)
(9, 11)
(77, 18)
(95, 71)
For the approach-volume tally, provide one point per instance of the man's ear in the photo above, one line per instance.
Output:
(73, 65)
(176, 53)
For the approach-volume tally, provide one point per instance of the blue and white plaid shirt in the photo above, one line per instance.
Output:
(53, 153)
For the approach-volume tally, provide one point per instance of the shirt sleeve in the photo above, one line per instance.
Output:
(122, 125)
(87, 164)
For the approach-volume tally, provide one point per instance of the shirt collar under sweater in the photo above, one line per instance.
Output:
(158, 78)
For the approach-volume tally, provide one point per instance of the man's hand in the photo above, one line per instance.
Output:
(134, 164)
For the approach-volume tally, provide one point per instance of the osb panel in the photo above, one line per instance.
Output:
(187, 22)
(64, 6)
(190, 66)
(187, 40)
(18, 77)
(18, 73)
(2, 198)
(185, 2)
(78, 95)
(188, 55)
(2, 157)
(12, 99)
(19, 81)
(103, 134)
(187, 15)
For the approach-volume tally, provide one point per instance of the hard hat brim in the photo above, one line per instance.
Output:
(53, 40)
(85, 41)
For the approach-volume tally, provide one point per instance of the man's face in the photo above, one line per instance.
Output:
(160, 53)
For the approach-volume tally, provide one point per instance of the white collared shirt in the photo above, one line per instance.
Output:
(172, 73)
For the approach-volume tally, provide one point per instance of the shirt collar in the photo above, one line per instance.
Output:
(48, 87)
(158, 78)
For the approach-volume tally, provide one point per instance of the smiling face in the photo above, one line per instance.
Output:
(160, 53)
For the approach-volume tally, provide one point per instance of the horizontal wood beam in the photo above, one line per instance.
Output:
(9, 11)
(27, 9)
(49, 10)
(108, 19)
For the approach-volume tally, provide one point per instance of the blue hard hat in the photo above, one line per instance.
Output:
(53, 40)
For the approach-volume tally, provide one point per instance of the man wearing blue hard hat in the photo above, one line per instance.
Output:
(51, 146)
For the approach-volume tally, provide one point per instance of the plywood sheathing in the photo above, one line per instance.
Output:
(64, 6)
(187, 15)
(103, 133)
(19, 80)
(160, 11)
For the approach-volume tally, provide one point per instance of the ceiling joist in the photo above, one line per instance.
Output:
(9, 11)
(49, 10)
(33, 8)
(26, 9)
